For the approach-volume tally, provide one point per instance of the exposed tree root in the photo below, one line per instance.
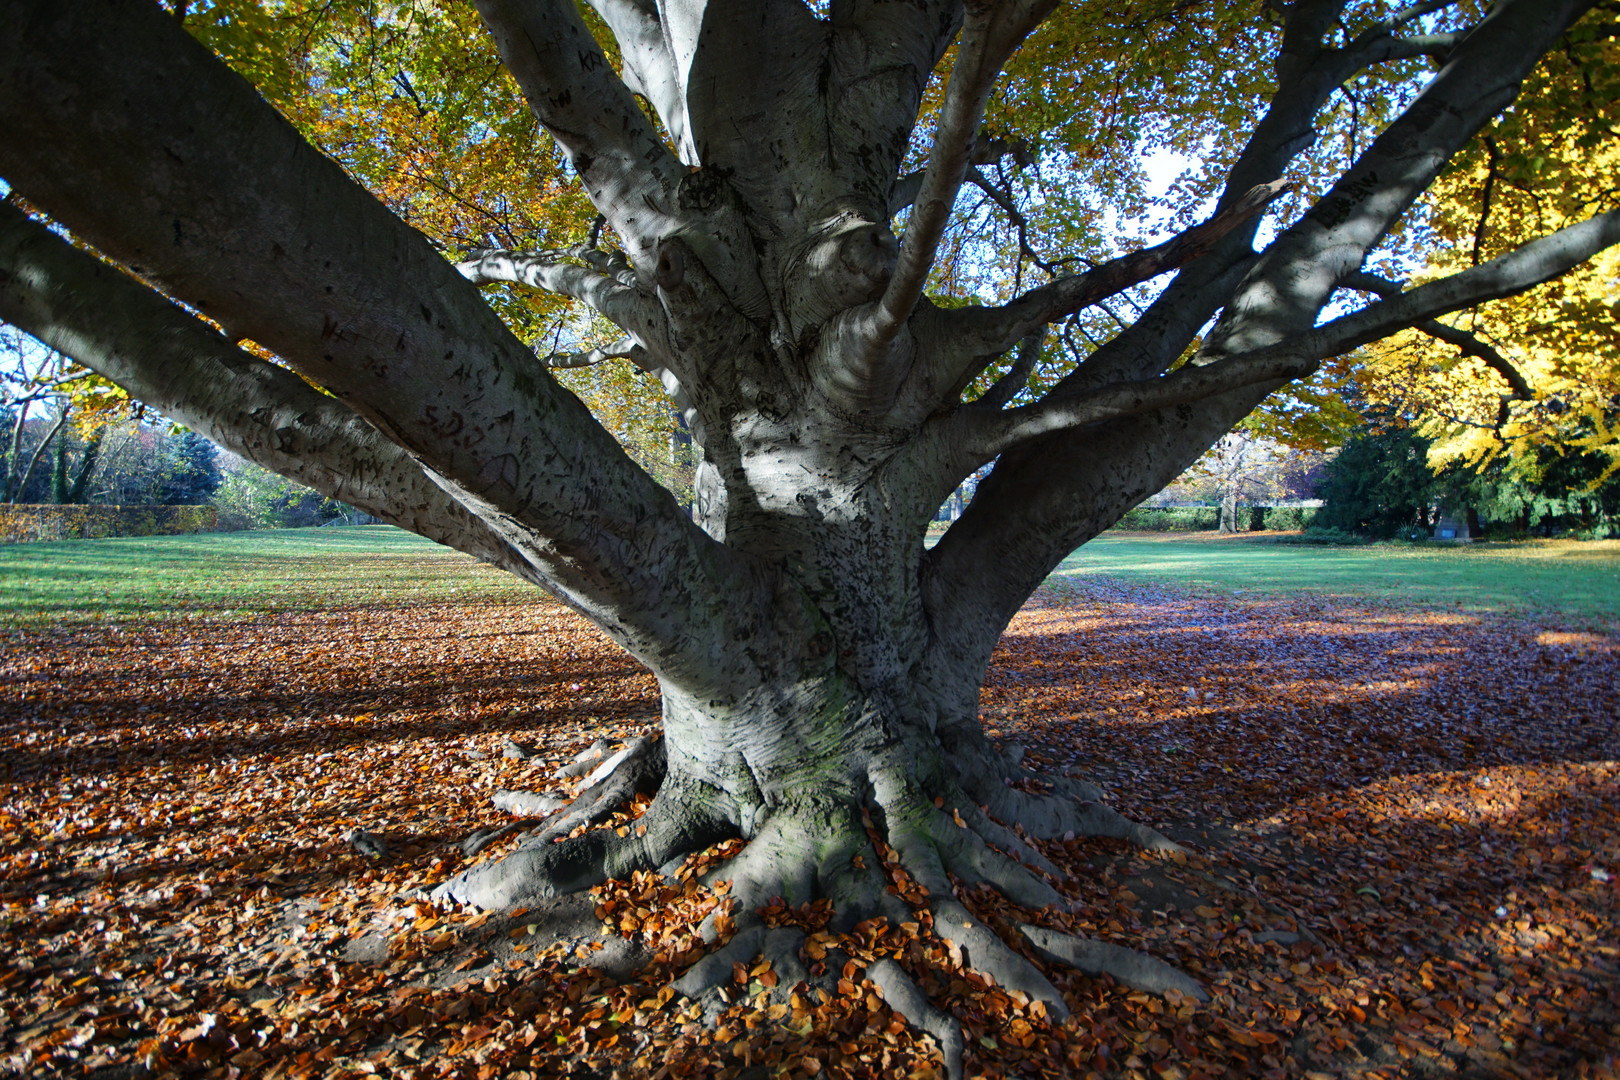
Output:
(905, 998)
(638, 769)
(824, 845)
(703, 981)
(478, 841)
(547, 865)
(1054, 815)
(1137, 970)
(586, 760)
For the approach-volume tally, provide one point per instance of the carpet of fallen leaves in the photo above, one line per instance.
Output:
(1405, 831)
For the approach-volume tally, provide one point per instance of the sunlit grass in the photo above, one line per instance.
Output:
(1563, 579)
(236, 574)
(231, 574)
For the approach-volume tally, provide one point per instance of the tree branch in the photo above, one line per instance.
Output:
(1049, 494)
(990, 434)
(1286, 290)
(649, 67)
(972, 337)
(1539, 261)
(33, 459)
(1018, 221)
(1004, 389)
(1385, 47)
(624, 349)
(987, 150)
(1307, 75)
(884, 55)
(1451, 335)
(1400, 18)
(200, 187)
(633, 310)
(120, 329)
(630, 174)
(1043, 499)
(991, 33)
(1534, 263)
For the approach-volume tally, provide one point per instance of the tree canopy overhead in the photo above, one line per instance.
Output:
(864, 247)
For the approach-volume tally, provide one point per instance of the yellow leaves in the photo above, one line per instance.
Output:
(1547, 164)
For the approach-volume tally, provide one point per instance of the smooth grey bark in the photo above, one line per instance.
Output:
(170, 360)
(818, 668)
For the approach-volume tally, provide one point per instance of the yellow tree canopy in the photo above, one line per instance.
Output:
(1542, 369)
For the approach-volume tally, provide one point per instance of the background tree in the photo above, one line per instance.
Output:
(28, 373)
(1239, 470)
(252, 497)
(192, 474)
(1380, 484)
(779, 187)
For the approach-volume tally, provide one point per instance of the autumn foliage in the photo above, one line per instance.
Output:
(20, 523)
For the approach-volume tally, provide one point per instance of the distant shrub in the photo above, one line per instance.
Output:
(1280, 518)
(1327, 537)
(1171, 519)
(1208, 518)
(25, 523)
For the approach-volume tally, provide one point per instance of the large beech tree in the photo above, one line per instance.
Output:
(765, 247)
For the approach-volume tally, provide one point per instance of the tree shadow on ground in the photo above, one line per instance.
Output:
(1163, 699)
(112, 700)
(1400, 821)
(1406, 825)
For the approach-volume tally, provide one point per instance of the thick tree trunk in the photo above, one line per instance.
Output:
(857, 722)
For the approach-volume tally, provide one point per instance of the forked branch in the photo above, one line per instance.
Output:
(1016, 377)
(572, 89)
(991, 33)
(1285, 293)
(1539, 261)
(975, 336)
(649, 67)
(1451, 335)
(987, 150)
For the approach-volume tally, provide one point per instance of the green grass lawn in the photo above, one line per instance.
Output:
(228, 574)
(1563, 580)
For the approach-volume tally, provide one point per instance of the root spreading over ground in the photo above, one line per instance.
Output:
(219, 833)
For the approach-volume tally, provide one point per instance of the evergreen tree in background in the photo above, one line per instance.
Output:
(193, 474)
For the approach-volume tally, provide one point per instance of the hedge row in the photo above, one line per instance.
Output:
(1208, 518)
(1172, 519)
(20, 524)
(1282, 518)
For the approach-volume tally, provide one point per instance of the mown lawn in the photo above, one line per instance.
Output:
(225, 574)
(230, 574)
(1558, 580)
